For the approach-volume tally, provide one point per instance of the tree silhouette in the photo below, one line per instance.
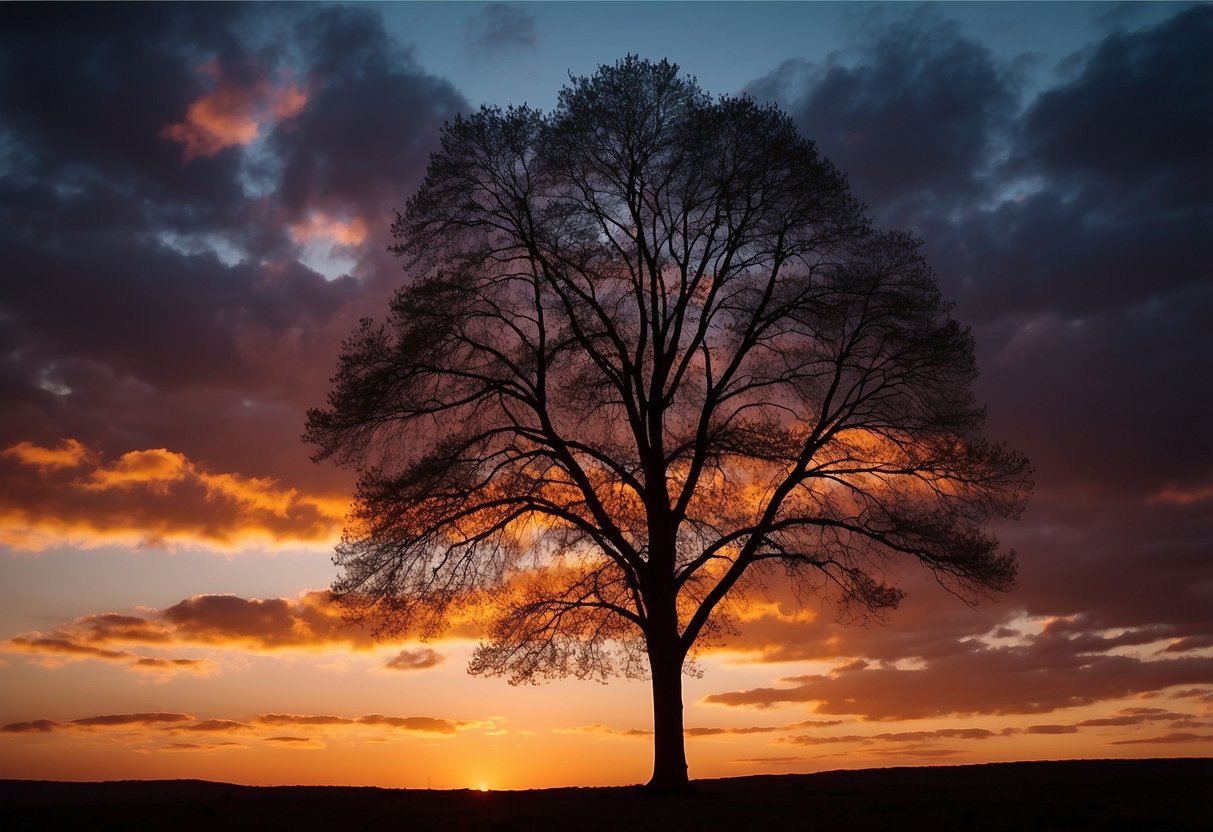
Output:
(651, 355)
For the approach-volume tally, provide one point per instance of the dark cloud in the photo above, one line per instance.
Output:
(373, 116)
(173, 722)
(696, 731)
(911, 118)
(937, 659)
(498, 28)
(193, 746)
(128, 72)
(419, 659)
(982, 681)
(110, 720)
(157, 233)
(217, 725)
(299, 719)
(1051, 729)
(52, 646)
(1134, 130)
(40, 726)
(310, 621)
(1168, 739)
(1070, 223)
(419, 724)
(1132, 716)
(897, 737)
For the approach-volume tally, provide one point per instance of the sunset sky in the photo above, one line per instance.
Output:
(194, 207)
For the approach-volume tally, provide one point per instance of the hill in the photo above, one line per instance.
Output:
(1169, 794)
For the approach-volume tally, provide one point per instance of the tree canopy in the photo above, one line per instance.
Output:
(649, 354)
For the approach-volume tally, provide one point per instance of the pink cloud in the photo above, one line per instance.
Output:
(233, 113)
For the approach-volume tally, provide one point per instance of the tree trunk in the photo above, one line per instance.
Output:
(669, 751)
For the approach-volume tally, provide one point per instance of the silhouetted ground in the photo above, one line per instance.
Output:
(1093, 795)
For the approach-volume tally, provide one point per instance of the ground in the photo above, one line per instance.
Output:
(1073, 795)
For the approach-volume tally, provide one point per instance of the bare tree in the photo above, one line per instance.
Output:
(650, 352)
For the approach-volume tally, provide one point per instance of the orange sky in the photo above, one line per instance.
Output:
(187, 245)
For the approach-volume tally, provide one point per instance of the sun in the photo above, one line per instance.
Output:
(482, 786)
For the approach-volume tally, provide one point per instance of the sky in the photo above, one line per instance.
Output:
(195, 204)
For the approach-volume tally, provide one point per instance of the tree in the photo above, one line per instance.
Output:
(651, 354)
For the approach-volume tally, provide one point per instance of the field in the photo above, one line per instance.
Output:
(1174, 794)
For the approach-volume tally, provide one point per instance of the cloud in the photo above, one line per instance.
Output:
(194, 746)
(217, 725)
(156, 497)
(983, 681)
(420, 659)
(1168, 739)
(1132, 716)
(178, 722)
(172, 666)
(298, 742)
(246, 331)
(1051, 729)
(858, 107)
(233, 113)
(114, 720)
(1134, 123)
(319, 225)
(55, 646)
(896, 737)
(69, 454)
(693, 732)
(311, 622)
(359, 76)
(40, 726)
(414, 724)
(68, 644)
(937, 660)
(499, 28)
(778, 761)
(419, 724)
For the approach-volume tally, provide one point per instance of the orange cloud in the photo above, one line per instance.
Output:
(69, 454)
(298, 742)
(1177, 495)
(320, 225)
(232, 114)
(65, 497)
(311, 622)
(416, 724)
(218, 725)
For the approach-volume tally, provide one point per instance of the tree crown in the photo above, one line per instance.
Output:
(651, 349)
